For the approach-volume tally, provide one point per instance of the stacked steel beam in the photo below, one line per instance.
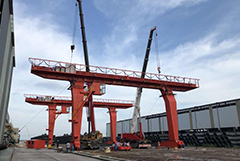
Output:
(225, 137)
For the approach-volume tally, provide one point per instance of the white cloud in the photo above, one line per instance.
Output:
(38, 37)
(128, 19)
(214, 61)
(137, 8)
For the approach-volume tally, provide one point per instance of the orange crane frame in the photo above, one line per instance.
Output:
(77, 75)
(53, 101)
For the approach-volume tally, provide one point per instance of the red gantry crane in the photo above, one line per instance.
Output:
(65, 102)
(52, 103)
(76, 74)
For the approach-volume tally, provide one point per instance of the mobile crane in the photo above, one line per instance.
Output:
(93, 141)
(137, 139)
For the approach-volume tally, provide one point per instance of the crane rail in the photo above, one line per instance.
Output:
(73, 68)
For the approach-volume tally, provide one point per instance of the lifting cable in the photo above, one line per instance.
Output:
(28, 132)
(195, 118)
(153, 105)
(41, 110)
(32, 118)
(62, 90)
(157, 52)
(72, 47)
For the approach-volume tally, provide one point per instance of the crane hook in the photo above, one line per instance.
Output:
(72, 48)
(159, 70)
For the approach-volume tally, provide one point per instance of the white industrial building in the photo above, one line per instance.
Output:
(218, 115)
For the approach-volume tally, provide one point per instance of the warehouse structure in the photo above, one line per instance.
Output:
(216, 117)
(7, 59)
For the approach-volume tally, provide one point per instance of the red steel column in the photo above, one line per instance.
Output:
(92, 114)
(113, 123)
(51, 122)
(172, 119)
(77, 108)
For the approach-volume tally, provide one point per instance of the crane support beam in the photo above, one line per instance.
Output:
(51, 122)
(92, 118)
(113, 123)
(67, 101)
(77, 101)
(172, 119)
(67, 72)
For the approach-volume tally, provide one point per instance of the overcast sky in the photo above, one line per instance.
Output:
(196, 38)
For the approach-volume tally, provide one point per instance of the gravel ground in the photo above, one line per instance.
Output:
(189, 153)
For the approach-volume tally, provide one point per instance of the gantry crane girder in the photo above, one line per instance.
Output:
(77, 75)
(64, 101)
(67, 101)
(110, 76)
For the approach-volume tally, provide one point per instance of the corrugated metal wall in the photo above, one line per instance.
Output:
(216, 115)
(7, 60)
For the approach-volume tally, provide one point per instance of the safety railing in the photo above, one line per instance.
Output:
(68, 98)
(73, 68)
(47, 98)
(113, 101)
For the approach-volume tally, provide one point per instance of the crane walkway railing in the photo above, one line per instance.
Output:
(66, 67)
(47, 98)
(112, 101)
(68, 98)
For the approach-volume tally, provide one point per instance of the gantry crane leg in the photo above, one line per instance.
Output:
(172, 119)
(113, 123)
(92, 118)
(51, 122)
(77, 109)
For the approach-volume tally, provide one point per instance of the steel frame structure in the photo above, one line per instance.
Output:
(76, 74)
(64, 101)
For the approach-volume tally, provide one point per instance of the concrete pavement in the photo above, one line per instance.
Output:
(6, 154)
(24, 154)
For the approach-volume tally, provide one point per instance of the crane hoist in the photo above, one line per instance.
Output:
(137, 139)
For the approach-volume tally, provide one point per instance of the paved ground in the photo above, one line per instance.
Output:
(24, 154)
(6, 154)
(152, 154)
